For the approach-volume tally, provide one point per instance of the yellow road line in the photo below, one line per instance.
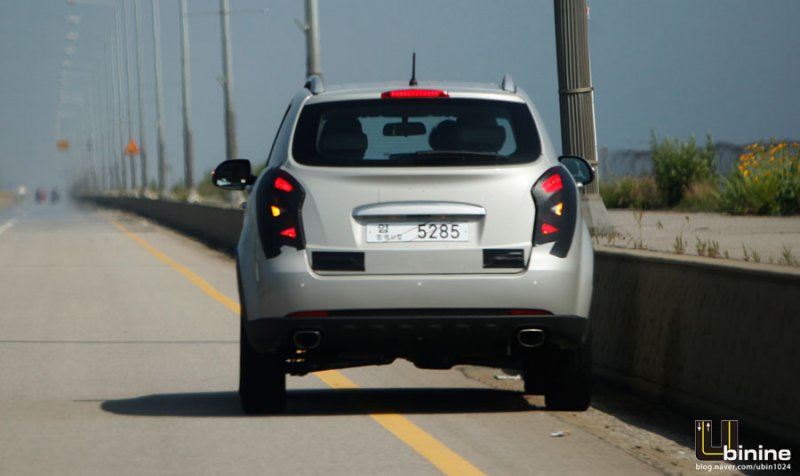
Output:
(437, 453)
(447, 460)
(186, 272)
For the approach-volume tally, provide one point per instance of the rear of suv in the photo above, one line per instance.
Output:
(429, 222)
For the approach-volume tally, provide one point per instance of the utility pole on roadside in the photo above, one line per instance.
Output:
(162, 154)
(137, 17)
(188, 152)
(231, 149)
(576, 101)
(313, 63)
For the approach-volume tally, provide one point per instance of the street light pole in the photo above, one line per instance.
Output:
(576, 100)
(231, 148)
(139, 76)
(162, 159)
(313, 62)
(188, 173)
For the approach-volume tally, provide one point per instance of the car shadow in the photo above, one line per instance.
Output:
(330, 402)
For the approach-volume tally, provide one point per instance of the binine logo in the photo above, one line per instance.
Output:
(729, 448)
(704, 448)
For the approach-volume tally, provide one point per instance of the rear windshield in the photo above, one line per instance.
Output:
(411, 132)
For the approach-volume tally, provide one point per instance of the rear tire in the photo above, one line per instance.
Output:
(262, 382)
(568, 387)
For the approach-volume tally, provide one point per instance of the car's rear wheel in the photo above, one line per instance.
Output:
(567, 387)
(262, 381)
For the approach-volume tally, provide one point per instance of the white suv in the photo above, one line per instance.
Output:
(429, 222)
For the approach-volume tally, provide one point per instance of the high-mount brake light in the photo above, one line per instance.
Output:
(555, 196)
(414, 94)
(283, 185)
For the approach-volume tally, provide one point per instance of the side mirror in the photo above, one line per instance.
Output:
(580, 169)
(234, 174)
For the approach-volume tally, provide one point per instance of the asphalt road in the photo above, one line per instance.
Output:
(118, 355)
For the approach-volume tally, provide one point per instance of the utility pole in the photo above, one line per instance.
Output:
(128, 92)
(576, 101)
(162, 159)
(139, 76)
(188, 172)
(313, 63)
(231, 148)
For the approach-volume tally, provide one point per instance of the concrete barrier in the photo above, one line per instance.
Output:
(717, 338)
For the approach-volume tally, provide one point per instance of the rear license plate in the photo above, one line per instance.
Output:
(425, 231)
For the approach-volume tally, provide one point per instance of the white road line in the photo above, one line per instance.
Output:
(7, 225)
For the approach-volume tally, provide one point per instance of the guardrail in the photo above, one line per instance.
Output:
(717, 338)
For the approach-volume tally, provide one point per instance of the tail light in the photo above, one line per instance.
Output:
(280, 199)
(555, 196)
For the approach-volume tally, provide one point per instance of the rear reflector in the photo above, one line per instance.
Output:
(530, 312)
(414, 93)
(309, 314)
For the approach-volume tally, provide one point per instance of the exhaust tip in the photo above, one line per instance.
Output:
(530, 338)
(307, 340)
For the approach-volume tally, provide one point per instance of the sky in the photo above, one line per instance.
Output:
(675, 67)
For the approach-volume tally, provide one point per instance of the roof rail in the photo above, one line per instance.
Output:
(314, 84)
(508, 84)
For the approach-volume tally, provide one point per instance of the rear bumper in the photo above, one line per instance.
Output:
(428, 342)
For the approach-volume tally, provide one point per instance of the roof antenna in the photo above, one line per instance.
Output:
(413, 81)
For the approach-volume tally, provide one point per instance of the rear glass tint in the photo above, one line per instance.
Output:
(410, 132)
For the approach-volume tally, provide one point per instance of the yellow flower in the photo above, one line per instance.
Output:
(746, 173)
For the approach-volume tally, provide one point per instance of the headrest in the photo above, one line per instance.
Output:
(342, 136)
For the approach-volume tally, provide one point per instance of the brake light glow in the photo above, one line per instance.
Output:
(414, 94)
(556, 198)
(553, 184)
(283, 185)
(548, 229)
(289, 233)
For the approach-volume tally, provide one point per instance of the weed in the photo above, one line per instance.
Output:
(787, 257)
(701, 246)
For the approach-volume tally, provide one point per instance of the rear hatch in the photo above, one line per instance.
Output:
(433, 185)
(417, 221)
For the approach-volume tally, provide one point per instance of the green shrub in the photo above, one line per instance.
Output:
(701, 196)
(766, 182)
(678, 164)
(631, 192)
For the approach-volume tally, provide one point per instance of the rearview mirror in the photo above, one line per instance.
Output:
(404, 129)
(234, 174)
(580, 169)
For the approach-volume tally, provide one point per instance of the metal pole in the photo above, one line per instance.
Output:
(139, 76)
(576, 99)
(128, 93)
(162, 159)
(313, 63)
(188, 174)
(231, 148)
(118, 57)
